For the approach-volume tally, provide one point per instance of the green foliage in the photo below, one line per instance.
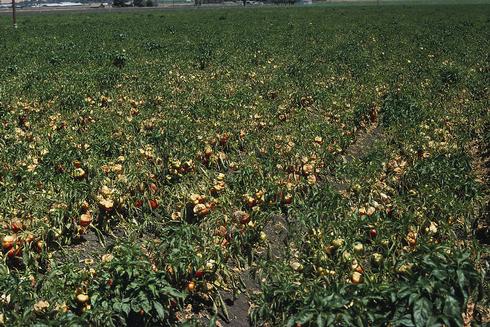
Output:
(433, 293)
(129, 284)
(401, 111)
(120, 59)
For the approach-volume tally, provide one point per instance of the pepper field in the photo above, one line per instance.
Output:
(321, 166)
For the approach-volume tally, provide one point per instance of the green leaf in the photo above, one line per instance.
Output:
(421, 311)
(359, 321)
(93, 298)
(447, 321)
(434, 322)
(404, 291)
(125, 307)
(451, 307)
(174, 293)
(116, 306)
(330, 319)
(223, 307)
(145, 305)
(347, 319)
(159, 309)
(461, 279)
(439, 274)
(404, 321)
(152, 289)
(212, 321)
(305, 317)
(464, 256)
(320, 321)
(413, 298)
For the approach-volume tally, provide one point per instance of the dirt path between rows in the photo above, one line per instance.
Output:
(360, 148)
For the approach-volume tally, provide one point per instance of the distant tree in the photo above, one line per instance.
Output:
(118, 3)
(150, 3)
(138, 3)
